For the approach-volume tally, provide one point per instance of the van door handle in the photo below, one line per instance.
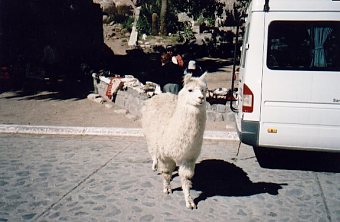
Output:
(246, 46)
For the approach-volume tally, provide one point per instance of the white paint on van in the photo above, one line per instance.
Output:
(302, 105)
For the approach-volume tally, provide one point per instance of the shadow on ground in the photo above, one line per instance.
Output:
(220, 178)
(47, 90)
(298, 160)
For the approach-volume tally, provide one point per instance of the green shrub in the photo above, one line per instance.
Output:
(143, 25)
(185, 35)
(128, 23)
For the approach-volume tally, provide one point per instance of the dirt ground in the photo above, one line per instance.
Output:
(47, 108)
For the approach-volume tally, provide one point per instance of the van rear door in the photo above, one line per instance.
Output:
(300, 106)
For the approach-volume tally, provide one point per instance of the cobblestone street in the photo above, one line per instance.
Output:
(45, 178)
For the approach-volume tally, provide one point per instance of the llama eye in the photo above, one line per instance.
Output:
(189, 90)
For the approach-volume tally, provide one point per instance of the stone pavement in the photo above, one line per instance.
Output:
(81, 178)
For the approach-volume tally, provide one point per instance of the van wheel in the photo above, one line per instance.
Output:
(265, 156)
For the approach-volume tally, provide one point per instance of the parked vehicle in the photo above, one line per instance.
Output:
(289, 89)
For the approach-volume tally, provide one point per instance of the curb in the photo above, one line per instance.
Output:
(99, 131)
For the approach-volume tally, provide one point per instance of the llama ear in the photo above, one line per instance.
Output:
(203, 76)
(186, 78)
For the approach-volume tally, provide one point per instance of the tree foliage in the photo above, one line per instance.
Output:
(194, 8)
(234, 16)
(241, 7)
(197, 9)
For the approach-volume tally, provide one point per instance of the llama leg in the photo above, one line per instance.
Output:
(154, 163)
(167, 167)
(186, 172)
(166, 182)
(152, 148)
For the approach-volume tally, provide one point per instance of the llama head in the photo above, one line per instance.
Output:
(194, 90)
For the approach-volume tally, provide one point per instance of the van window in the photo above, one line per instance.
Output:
(304, 45)
(244, 48)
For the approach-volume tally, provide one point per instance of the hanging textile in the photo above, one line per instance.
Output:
(319, 36)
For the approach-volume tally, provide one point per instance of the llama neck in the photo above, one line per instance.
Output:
(192, 118)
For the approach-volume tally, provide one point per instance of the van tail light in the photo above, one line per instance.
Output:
(248, 100)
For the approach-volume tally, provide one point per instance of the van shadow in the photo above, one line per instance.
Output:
(220, 178)
(316, 161)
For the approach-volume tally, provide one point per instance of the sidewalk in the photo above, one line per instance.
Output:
(53, 113)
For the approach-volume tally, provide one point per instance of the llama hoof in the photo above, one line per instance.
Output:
(190, 204)
(154, 167)
(167, 190)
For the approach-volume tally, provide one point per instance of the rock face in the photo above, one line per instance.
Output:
(132, 101)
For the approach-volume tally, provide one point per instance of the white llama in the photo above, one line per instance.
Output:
(173, 127)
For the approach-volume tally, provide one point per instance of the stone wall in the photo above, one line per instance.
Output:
(132, 101)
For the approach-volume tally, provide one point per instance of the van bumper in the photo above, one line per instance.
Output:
(249, 133)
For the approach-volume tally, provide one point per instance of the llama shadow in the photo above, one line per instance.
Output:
(220, 178)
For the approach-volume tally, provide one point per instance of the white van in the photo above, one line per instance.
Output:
(289, 89)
